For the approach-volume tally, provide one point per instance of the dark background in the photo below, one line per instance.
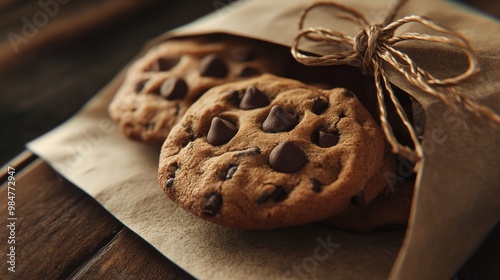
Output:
(77, 52)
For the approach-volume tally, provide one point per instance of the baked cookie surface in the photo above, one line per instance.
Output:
(160, 86)
(272, 152)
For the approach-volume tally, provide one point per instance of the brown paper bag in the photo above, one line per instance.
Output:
(456, 201)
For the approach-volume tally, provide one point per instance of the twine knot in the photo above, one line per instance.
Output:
(366, 43)
(373, 50)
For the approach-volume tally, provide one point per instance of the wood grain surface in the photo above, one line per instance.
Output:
(128, 257)
(45, 203)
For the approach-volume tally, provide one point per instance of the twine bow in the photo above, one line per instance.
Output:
(373, 48)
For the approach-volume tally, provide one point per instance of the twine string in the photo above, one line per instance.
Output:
(372, 49)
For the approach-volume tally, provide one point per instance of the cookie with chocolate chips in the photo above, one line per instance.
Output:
(272, 152)
(160, 86)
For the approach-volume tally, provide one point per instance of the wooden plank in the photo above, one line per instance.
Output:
(58, 226)
(129, 257)
(35, 26)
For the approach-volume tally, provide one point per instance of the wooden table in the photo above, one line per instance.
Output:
(60, 231)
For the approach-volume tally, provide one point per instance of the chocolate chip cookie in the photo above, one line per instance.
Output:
(272, 152)
(160, 86)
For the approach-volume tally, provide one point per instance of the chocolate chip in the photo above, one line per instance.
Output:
(317, 186)
(287, 157)
(165, 64)
(277, 195)
(319, 105)
(174, 88)
(213, 66)
(249, 71)
(279, 120)
(140, 86)
(221, 131)
(327, 140)
(229, 172)
(171, 176)
(235, 97)
(342, 115)
(212, 204)
(359, 199)
(253, 98)
(243, 55)
(170, 183)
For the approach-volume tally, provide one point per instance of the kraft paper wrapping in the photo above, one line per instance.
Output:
(456, 201)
